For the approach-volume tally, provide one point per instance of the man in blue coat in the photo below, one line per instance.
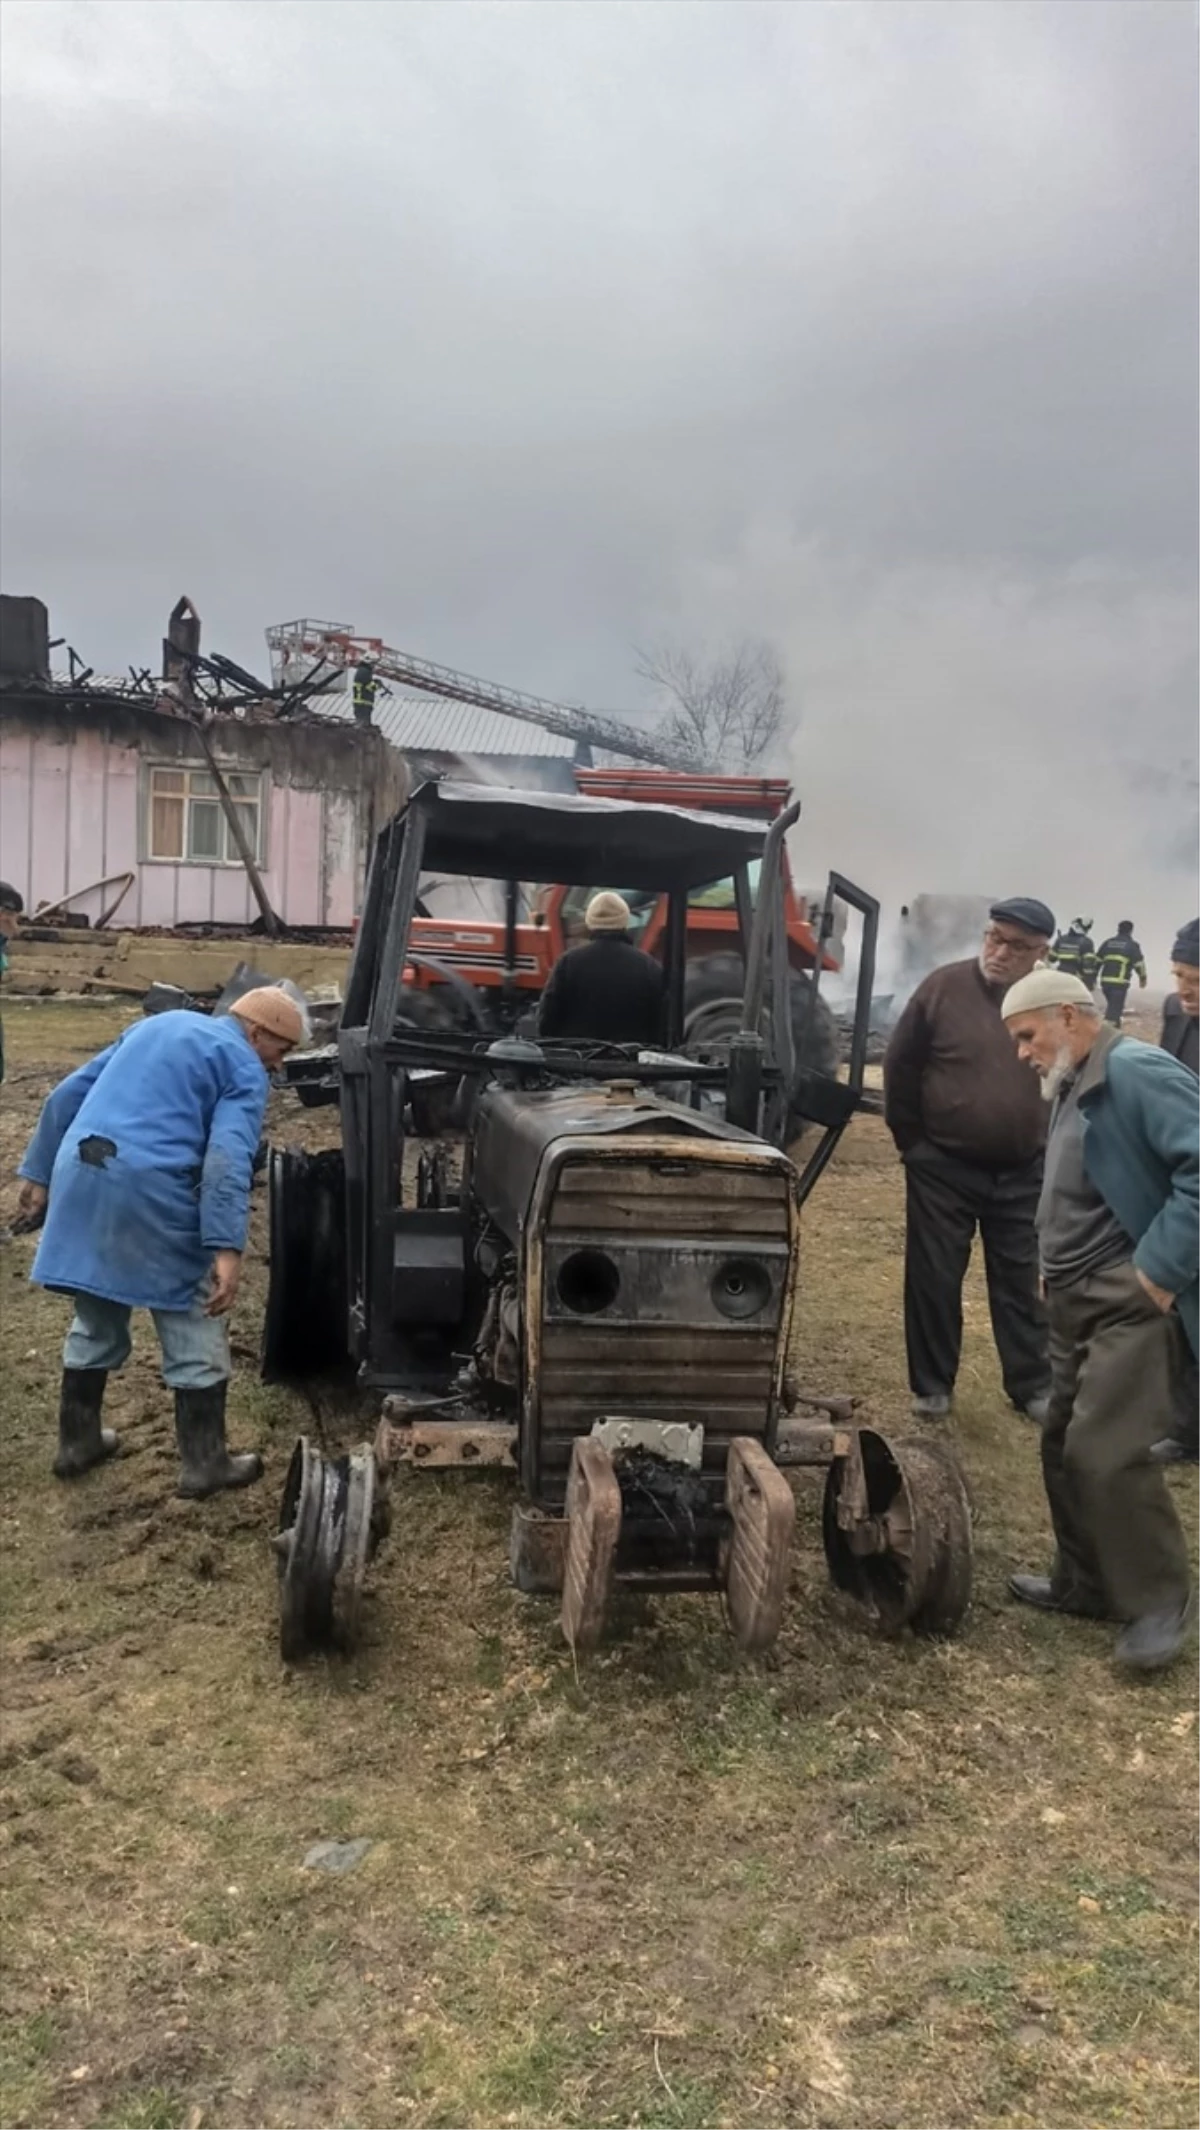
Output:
(1117, 1242)
(142, 1163)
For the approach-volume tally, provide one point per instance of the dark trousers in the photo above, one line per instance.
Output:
(1113, 1360)
(1115, 996)
(947, 1200)
(1186, 1396)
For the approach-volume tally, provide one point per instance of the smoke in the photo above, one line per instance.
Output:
(981, 730)
(455, 896)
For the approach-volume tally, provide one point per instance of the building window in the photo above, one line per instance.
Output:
(187, 824)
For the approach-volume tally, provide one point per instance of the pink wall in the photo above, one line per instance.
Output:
(71, 799)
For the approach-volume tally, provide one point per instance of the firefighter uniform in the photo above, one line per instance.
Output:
(1074, 952)
(1120, 959)
(364, 693)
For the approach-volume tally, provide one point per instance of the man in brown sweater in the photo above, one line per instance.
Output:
(970, 1130)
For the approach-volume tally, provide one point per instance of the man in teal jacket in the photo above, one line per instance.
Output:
(1117, 1243)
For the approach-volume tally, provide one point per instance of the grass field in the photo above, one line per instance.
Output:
(862, 1883)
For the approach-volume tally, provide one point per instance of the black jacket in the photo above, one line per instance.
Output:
(1181, 1034)
(1075, 953)
(1121, 959)
(605, 992)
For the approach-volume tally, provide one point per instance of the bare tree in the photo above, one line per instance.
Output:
(726, 712)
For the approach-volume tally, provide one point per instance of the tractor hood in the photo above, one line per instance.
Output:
(514, 1128)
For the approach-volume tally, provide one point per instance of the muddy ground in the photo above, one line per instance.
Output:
(859, 1884)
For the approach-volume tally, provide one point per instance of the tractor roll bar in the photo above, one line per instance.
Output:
(764, 918)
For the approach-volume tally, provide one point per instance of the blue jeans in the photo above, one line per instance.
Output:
(195, 1347)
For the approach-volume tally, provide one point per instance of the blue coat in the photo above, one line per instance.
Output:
(148, 1154)
(1141, 1149)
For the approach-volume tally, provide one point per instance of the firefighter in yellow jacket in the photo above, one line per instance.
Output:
(1074, 953)
(1120, 960)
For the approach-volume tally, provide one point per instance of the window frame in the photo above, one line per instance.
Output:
(188, 769)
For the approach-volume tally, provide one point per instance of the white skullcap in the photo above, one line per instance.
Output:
(1045, 987)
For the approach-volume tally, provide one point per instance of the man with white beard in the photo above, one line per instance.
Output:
(1117, 1245)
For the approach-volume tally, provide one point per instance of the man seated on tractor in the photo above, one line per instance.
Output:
(606, 991)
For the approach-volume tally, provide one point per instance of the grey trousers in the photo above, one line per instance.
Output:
(1113, 1363)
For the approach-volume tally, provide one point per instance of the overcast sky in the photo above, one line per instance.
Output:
(521, 334)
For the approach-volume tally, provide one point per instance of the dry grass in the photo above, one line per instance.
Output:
(860, 1884)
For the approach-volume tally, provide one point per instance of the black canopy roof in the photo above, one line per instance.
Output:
(493, 834)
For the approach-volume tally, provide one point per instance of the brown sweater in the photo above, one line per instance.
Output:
(952, 1074)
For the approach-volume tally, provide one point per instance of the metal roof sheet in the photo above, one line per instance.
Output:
(428, 724)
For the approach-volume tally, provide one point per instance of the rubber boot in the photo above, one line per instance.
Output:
(82, 1442)
(205, 1464)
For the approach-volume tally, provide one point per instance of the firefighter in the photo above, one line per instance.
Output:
(1074, 952)
(141, 1164)
(1120, 959)
(607, 990)
(364, 692)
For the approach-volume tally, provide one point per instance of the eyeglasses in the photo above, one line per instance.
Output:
(1001, 943)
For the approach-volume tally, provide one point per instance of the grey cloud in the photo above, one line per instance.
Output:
(523, 334)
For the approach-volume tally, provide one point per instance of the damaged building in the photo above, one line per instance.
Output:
(111, 810)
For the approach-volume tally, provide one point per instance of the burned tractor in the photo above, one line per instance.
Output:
(602, 1301)
(476, 974)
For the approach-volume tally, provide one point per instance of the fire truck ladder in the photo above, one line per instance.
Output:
(304, 650)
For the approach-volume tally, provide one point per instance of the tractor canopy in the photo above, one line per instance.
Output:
(475, 830)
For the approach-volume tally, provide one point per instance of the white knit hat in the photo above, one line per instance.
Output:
(608, 912)
(1045, 987)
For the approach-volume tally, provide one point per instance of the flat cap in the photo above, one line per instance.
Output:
(1187, 944)
(1025, 910)
(1045, 987)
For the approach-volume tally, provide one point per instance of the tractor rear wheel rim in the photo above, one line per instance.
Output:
(909, 1561)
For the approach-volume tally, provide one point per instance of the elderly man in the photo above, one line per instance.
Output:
(969, 1128)
(1181, 1011)
(1117, 1238)
(1179, 1038)
(142, 1163)
(606, 991)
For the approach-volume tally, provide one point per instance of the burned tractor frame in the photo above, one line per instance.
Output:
(603, 1304)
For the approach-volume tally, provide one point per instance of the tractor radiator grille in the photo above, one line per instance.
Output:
(661, 1349)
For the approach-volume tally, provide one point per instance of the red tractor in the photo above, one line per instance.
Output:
(489, 975)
